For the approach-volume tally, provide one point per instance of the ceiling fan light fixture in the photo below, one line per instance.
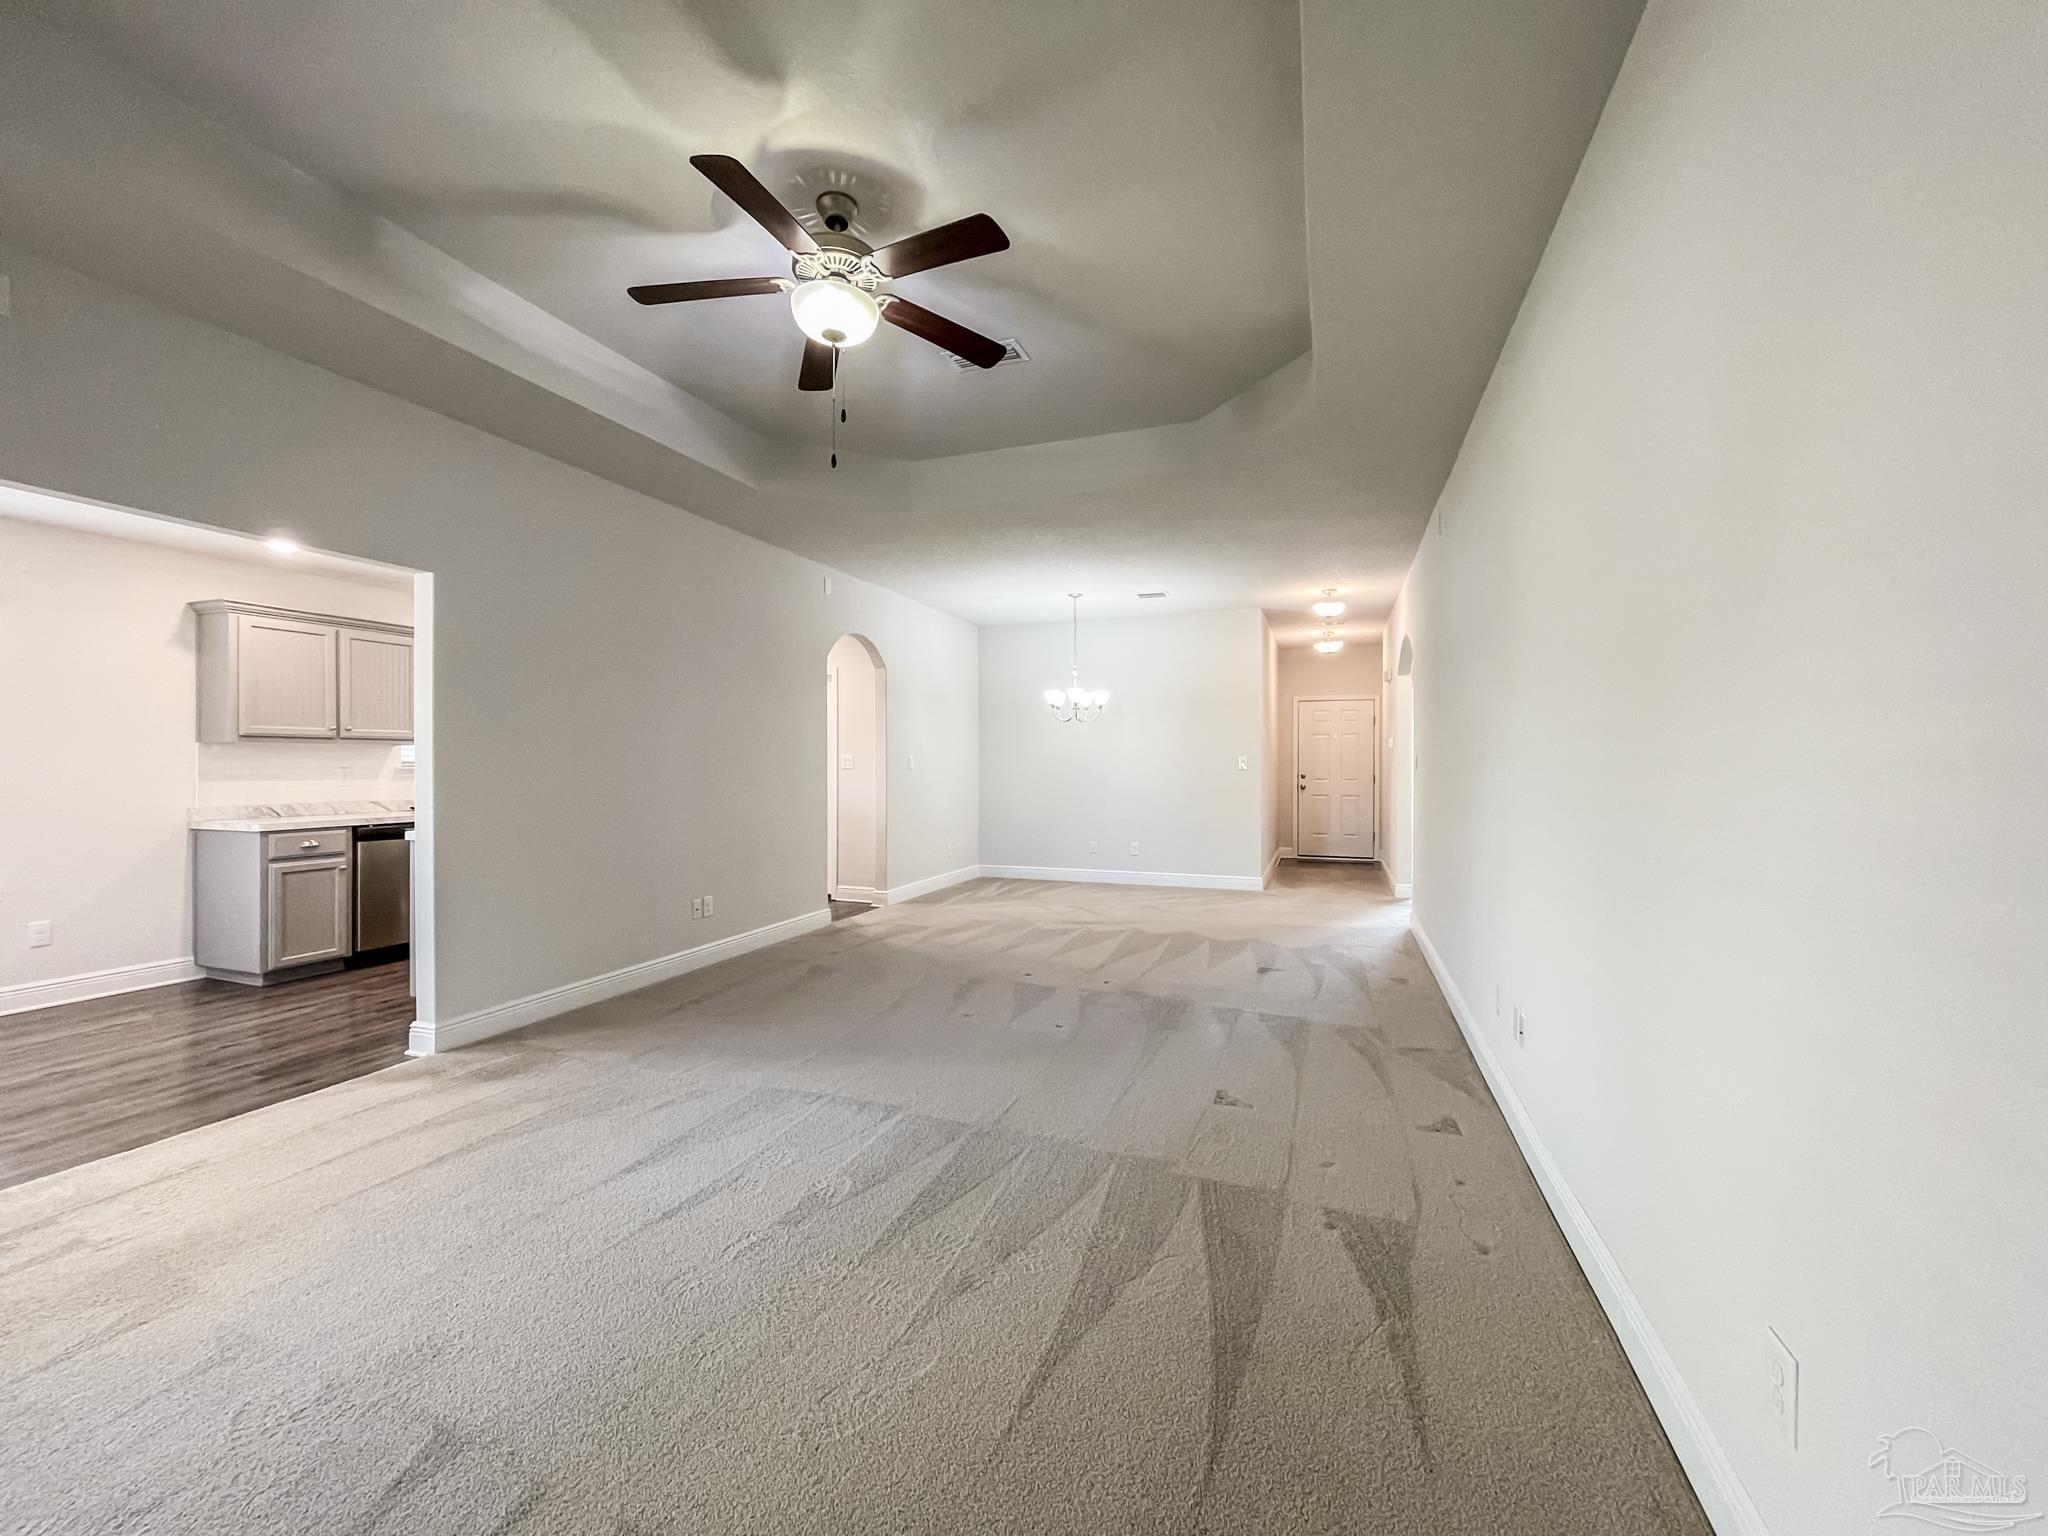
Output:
(833, 311)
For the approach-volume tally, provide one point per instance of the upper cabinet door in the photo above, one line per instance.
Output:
(287, 677)
(376, 685)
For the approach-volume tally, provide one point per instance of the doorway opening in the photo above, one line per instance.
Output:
(856, 777)
(212, 822)
(1336, 778)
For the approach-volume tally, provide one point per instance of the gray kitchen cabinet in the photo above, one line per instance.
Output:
(376, 685)
(269, 906)
(272, 673)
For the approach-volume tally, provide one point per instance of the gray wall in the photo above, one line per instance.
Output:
(1731, 652)
(672, 667)
(1187, 700)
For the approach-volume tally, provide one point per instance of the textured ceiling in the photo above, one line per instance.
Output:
(445, 201)
(1152, 192)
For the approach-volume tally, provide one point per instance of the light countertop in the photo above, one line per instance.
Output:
(299, 818)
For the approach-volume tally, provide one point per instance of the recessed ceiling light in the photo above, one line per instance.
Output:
(281, 545)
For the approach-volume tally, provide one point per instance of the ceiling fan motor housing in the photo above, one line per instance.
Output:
(838, 210)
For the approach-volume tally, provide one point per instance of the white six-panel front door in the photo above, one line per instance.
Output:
(1336, 779)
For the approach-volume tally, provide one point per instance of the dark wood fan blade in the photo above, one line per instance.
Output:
(759, 204)
(941, 332)
(716, 288)
(816, 372)
(962, 240)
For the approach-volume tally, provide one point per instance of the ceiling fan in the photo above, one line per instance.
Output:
(834, 290)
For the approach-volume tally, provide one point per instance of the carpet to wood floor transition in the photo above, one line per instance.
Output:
(1024, 1207)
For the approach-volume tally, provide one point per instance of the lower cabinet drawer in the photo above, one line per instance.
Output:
(306, 845)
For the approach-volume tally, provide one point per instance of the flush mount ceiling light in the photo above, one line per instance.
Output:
(1329, 607)
(280, 545)
(1076, 703)
(831, 310)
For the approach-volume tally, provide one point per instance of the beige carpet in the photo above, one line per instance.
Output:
(1022, 1208)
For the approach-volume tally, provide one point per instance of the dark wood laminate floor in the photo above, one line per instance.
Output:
(90, 1079)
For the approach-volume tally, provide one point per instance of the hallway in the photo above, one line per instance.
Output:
(1026, 1206)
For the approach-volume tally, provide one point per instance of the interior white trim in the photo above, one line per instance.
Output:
(1123, 877)
(1272, 865)
(428, 1039)
(1284, 853)
(932, 883)
(23, 996)
(1721, 1493)
(1403, 889)
(866, 893)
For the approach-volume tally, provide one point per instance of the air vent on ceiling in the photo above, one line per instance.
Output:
(1013, 352)
(1151, 594)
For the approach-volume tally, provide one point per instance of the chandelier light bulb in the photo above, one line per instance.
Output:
(833, 311)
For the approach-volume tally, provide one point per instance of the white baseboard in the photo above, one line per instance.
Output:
(932, 883)
(1273, 864)
(866, 893)
(1285, 853)
(427, 1039)
(1403, 890)
(1123, 877)
(23, 996)
(1721, 1493)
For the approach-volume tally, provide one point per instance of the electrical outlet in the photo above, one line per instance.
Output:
(39, 934)
(1091, 845)
(1134, 850)
(696, 906)
(1781, 1371)
(710, 906)
(344, 771)
(1521, 1027)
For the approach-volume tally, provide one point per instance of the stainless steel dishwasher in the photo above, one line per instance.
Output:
(383, 860)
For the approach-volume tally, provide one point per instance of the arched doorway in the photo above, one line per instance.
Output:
(856, 775)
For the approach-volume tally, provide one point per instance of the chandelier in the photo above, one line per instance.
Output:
(1076, 702)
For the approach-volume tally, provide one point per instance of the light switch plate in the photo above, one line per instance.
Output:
(696, 906)
(846, 762)
(710, 906)
(1134, 850)
(39, 934)
(1781, 1372)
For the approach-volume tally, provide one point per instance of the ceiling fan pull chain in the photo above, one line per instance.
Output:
(838, 412)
